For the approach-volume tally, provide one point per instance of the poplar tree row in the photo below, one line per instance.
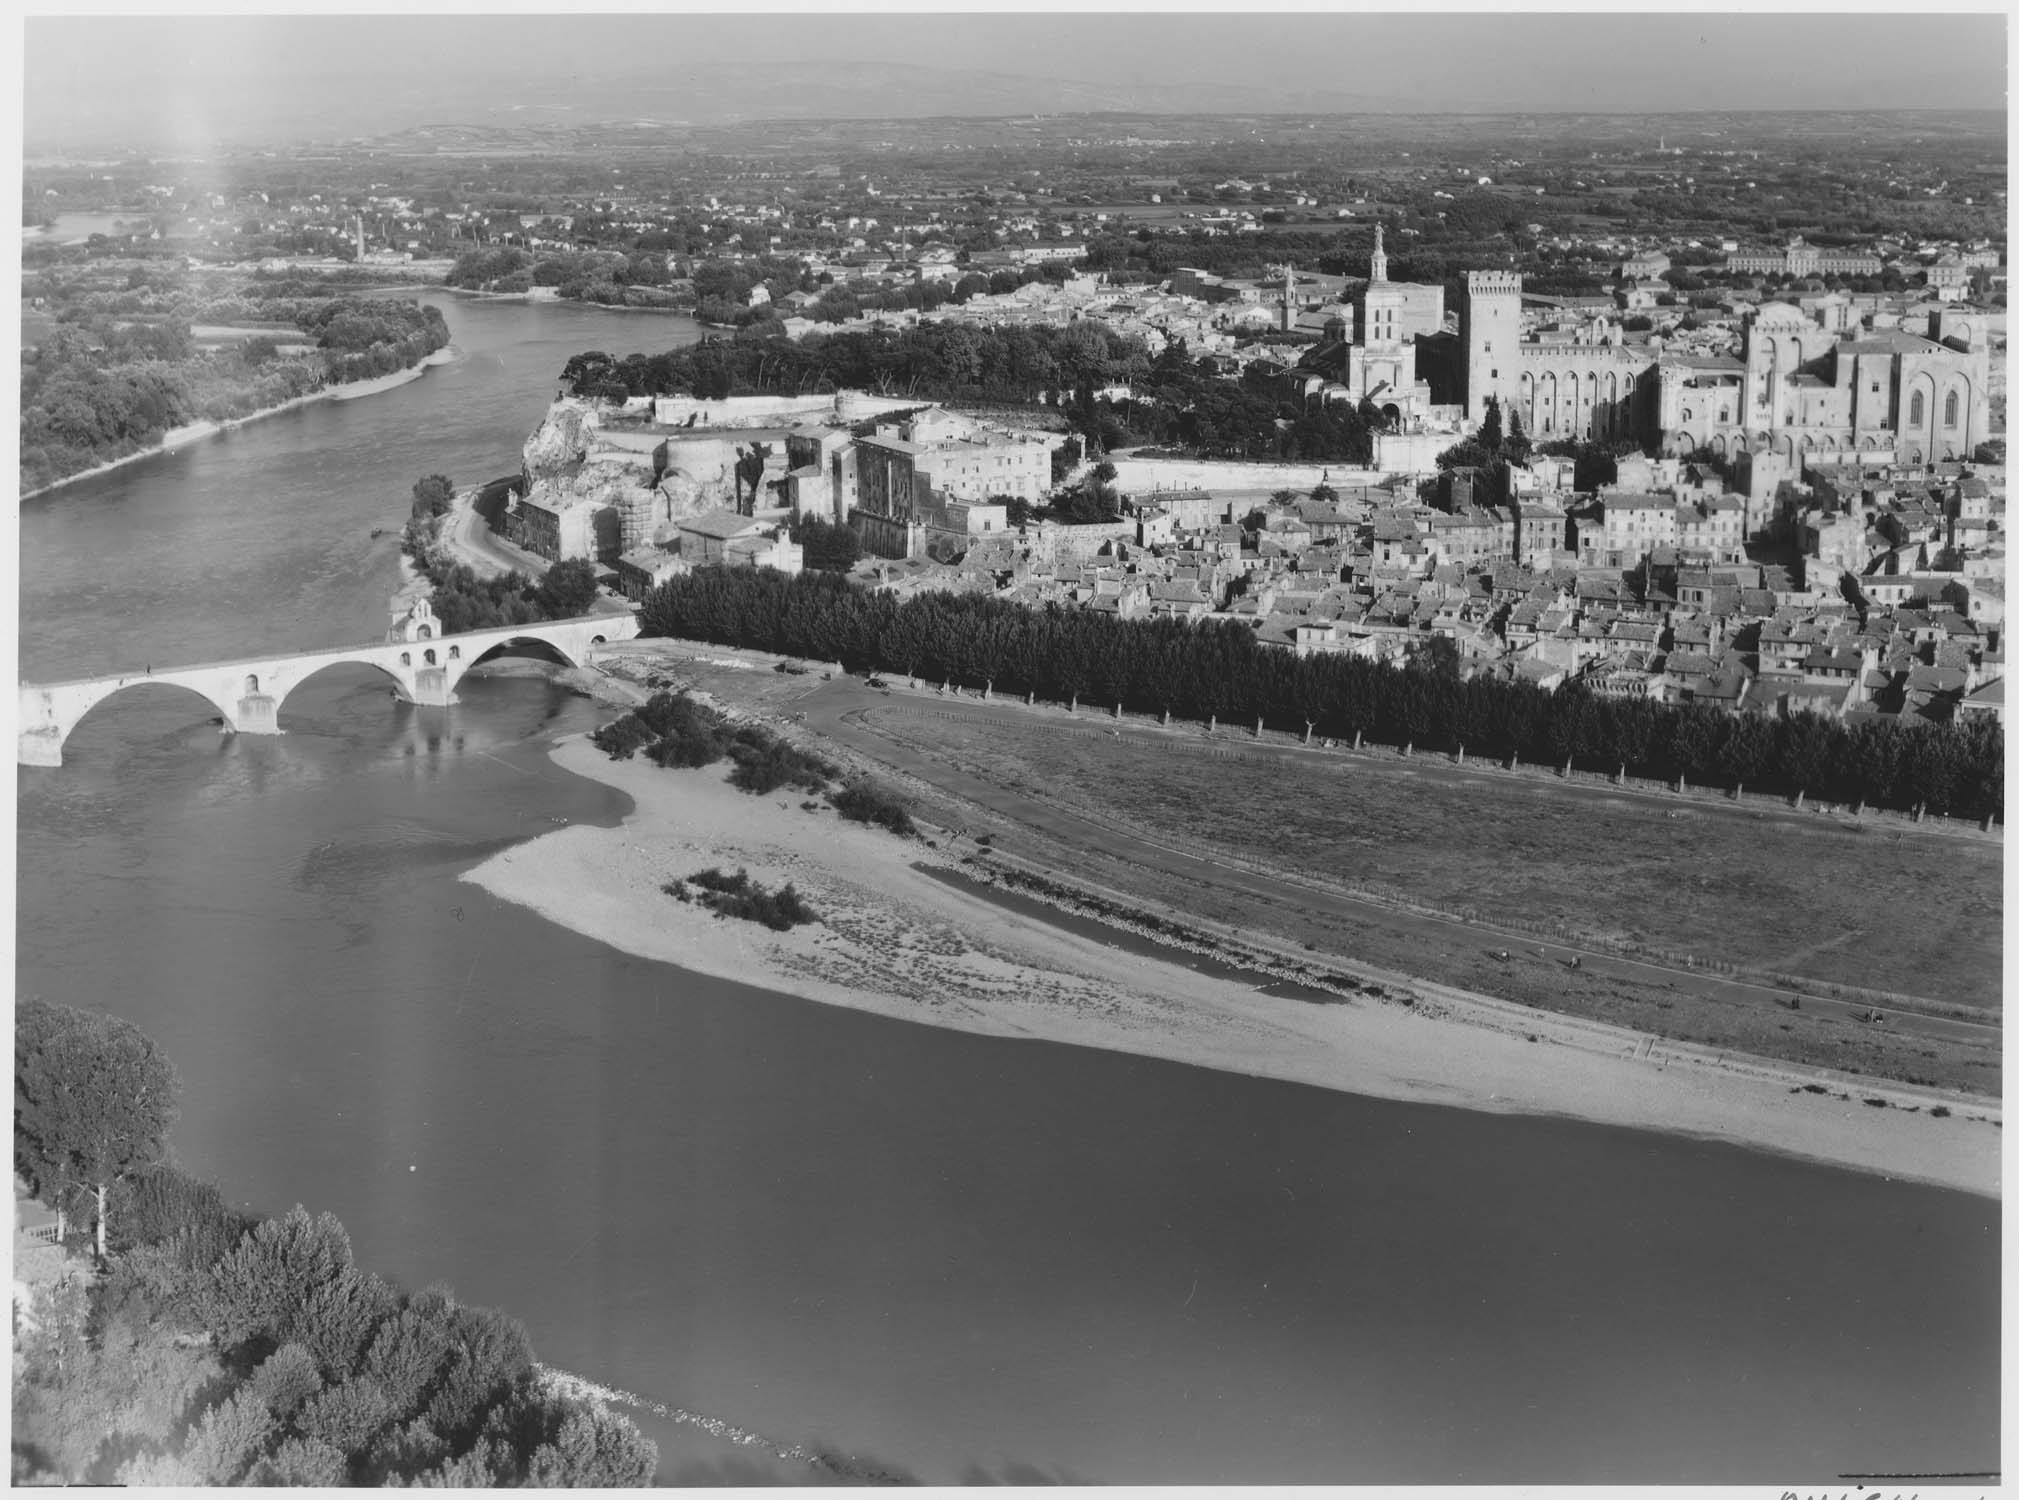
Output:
(1219, 670)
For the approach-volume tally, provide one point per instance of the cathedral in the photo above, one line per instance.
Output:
(1375, 360)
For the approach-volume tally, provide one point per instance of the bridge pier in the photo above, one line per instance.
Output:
(258, 713)
(429, 688)
(40, 746)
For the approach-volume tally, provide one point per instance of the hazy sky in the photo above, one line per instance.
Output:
(216, 78)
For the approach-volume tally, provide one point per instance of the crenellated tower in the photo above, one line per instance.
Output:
(1490, 332)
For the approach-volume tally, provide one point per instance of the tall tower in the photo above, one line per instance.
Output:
(1490, 330)
(1289, 295)
(361, 236)
(1377, 264)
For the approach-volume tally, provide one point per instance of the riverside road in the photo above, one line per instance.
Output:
(836, 709)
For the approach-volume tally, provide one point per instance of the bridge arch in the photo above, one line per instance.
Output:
(247, 695)
(79, 702)
(570, 656)
(543, 646)
(402, 685)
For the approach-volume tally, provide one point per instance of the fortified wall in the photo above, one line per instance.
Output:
(832, 409)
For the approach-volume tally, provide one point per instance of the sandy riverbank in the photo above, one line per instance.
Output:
(897, 942)
(482, 296)
(191, 432)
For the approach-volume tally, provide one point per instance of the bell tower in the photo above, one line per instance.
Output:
(1377, 264)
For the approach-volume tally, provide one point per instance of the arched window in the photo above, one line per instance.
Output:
(427, 632)
(455, 653)
(428, 656)
(252, 683)
(406, 658)
(1950, 406)
(1915, 411)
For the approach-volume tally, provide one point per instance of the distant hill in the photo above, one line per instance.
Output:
(781, 89)
(673, 93)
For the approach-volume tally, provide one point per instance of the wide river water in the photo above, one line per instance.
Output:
(958, 1257)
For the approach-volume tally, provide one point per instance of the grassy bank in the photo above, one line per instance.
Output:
(1815, 899)
(1622, 869)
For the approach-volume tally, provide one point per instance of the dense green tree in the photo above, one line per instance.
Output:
(300, 1463)
(1217, 670)
(568, 589)
(261, 1288)
(433, 494)
(339, 1316)
(80, 1398)
(93, 1102)
(592, 1449)
(346, 1417)
(829, 546)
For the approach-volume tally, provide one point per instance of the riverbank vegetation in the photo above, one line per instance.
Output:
(741, 897)
(1216, 670)
(116, 352)
(675, 729)
(210, 1346)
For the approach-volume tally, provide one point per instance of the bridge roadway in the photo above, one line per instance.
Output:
(248, 694)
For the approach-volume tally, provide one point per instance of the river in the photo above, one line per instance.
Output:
(955, 1256)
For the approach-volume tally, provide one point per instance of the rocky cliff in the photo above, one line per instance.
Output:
(560, 443)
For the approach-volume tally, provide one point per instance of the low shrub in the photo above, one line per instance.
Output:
(739, 896)
(866, 802)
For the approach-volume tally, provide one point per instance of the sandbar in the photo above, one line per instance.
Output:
(895, 941)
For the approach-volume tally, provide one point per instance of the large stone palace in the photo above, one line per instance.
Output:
(1803, 384)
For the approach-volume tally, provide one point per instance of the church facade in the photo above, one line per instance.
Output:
(1388, 318)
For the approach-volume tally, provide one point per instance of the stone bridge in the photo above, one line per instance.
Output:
(248, 694)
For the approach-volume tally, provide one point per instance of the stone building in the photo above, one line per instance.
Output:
(1803, 259)
(1805, 383)
(938, 475)
(561, 526)
(1805, 392)
(890, 497)
(1561, 389)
